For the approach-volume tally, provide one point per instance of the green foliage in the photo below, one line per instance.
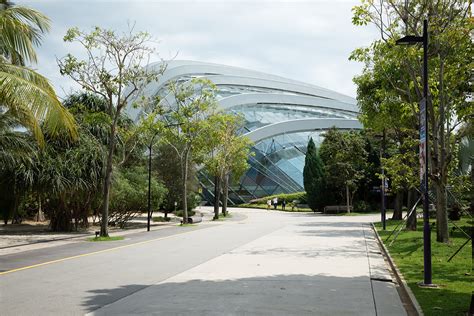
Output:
(345, 160)
(129, 194)
(24, 93)
(229, 152)
(69, 175)
(180, 213)
(314, 178)
(361, 206)
(169, 172)
(115, 70)
(161, 219)
(391, 85)
(289, 197)
(186, 123)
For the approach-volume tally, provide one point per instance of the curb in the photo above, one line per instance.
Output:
(81, 236)
(45, 241)
(406, 295)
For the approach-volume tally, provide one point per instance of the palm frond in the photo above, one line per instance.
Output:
(21, 87)
(21, 29)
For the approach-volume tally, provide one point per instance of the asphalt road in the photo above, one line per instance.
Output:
(232, 267)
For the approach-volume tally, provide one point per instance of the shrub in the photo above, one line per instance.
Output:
(179, 213)
(129, 194)
(361, 206)
(289, 197)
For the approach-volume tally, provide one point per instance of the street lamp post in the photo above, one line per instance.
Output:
(150, 145)
(407, 40)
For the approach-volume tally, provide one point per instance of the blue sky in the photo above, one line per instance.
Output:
(308, 41)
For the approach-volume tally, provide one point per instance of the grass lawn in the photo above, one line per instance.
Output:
(223, 218)
(110, 238)
(454, 278)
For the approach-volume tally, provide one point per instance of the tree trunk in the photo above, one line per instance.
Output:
(397, 209)
(40, 214)
(104, 228)
(348, 203)
(442, 231)
(225, 194)
(61, 219)
(411, 220)
(217, 192)
(185, 187)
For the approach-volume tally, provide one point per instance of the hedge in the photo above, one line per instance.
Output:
(289, 197)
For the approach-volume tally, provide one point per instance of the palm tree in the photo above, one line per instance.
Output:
(15, 146)
(24, 93)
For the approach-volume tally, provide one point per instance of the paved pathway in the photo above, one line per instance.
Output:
(270, 263)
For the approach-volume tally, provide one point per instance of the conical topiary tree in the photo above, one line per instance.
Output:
(313, 177)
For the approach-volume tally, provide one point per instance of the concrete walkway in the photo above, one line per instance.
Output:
(312, 265)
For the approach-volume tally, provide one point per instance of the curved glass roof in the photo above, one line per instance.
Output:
(272, 106)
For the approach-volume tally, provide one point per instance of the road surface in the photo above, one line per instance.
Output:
(257, 263)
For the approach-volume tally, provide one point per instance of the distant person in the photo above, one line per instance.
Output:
(275, 202)
(269, 204)
(283, 204)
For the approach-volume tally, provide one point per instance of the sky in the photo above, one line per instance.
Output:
(309, 41)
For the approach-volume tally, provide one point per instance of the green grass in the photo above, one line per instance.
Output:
(161, 219)
(223, 218)
(110, 238)
(186, 225)
(357, 213)
(454, 278)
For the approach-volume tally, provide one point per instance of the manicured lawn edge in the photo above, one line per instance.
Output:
(454, 279)
(407, 297)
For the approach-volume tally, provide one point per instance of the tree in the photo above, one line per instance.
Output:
(344, 157)
(229, 153)
(314, 177)
(185, 124)
(114, 69)
(167, 163)
(24, 93)
(450, 82)
(16, 150)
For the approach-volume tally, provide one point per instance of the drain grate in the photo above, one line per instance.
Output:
(382, 280)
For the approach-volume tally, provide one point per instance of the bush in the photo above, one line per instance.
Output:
(289, 197)
(129, 194)
(361, 206)
(179, 213)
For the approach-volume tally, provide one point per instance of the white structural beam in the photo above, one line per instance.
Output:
(301, 125)
(267, 98)
(223, 74)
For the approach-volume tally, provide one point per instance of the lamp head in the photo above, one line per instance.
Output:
(409, 40)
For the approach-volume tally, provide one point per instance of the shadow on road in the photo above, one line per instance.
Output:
(297, 294)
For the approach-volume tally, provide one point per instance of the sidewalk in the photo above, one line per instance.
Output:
(312, 266)
(31, 236)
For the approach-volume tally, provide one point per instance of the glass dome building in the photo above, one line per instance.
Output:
(280, 116)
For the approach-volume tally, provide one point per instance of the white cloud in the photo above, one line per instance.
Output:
(308, 41)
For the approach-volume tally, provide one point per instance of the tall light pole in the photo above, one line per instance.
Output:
(407, 40)
(150, 145)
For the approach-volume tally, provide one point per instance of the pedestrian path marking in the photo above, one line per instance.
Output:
(92, 253)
